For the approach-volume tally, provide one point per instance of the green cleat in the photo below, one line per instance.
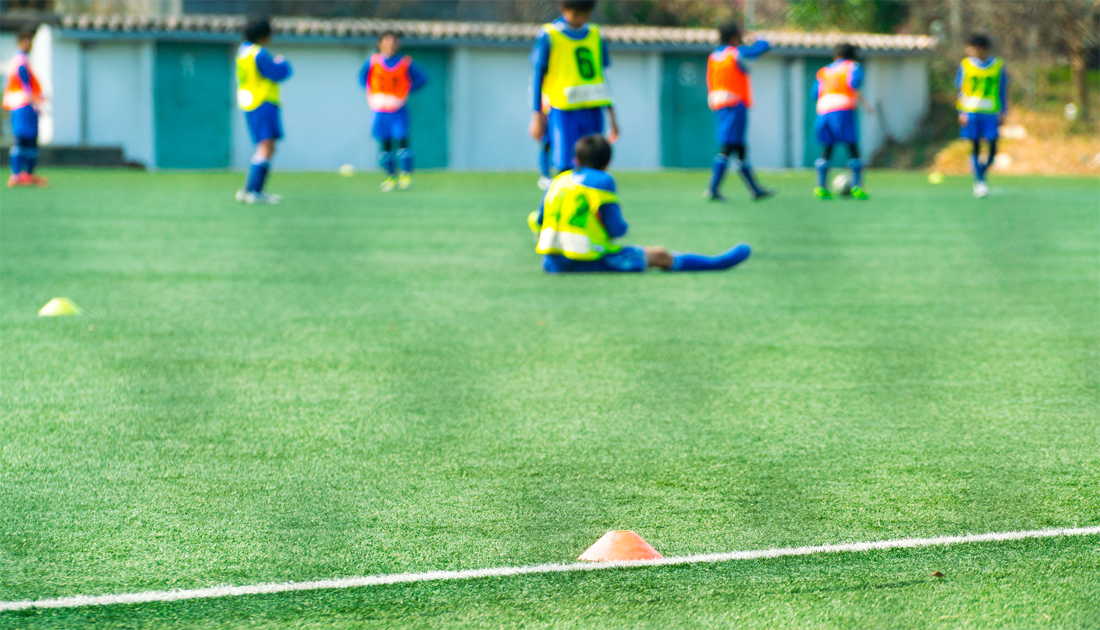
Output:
(859, 193)
(823, 193)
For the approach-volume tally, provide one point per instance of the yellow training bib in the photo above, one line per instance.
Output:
(574, 73)
(570, 226)
(254, 89)
(980, 92)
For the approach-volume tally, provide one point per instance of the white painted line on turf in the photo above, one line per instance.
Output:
(469, 574)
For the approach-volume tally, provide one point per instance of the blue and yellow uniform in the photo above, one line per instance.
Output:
(258, 78)
(388, 82)
(569, 68)
(729, 96)
(983, 90)
(22, 97)
(578, 220)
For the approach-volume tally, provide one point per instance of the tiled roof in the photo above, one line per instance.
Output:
(479, 31)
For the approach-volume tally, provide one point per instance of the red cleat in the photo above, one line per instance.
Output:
(21, 179)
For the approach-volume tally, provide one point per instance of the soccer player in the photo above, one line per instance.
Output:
(23, 98)
(580, 215)
(837, 92)
(729, 95)
(570, 57)
(258, 77)
(389, 78)
(983, 102)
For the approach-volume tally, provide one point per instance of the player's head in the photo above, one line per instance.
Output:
(25, 38)
(592, 152)
(258, 29)
(845, 51)
(389, 43)
(729, 34)
(577, 12)
(978, 45)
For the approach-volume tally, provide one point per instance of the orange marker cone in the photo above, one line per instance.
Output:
(620, 545)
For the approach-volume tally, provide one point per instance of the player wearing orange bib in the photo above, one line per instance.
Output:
(837, 93)
(389, 78)
(729, 95)
(23, 97)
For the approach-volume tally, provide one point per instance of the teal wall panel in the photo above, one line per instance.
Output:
(428, 116)
(687, 124)
(193, 99)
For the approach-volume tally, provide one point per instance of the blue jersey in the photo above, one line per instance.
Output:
(985, 63)
(540, 57)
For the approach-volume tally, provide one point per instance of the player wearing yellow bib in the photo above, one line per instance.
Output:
(983, 103)
(258, 77)
(580, 216)
(570, 58)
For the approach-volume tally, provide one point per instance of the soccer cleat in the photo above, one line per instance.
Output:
(981, 189)
(259, 197)
(405, 181)
(823, 194)
(713, 195)
(544, 183)
(241, 195)
(22, 179)
(764, 193)
(859, 193)
(388, 184)
(38, 180)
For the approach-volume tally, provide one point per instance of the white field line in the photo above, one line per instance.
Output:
(469, 574)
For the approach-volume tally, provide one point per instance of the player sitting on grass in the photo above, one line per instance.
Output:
(729, 95)
(389, 78)
(569, 58)
(23, 97)
(837, 94)
(983, 103)
(258, 76)
(580, 215)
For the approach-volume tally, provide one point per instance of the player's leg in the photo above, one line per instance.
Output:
(544, 162)
(723, 119)
(855, 163)
(821, 166)
(566, 127)
(687, 261)
(405, 163)
(24, 152)
(267, 129)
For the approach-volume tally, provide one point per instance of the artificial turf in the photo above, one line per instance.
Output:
(354, 383)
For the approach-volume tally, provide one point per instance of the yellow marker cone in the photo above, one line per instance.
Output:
(59, 306)
(620, 545)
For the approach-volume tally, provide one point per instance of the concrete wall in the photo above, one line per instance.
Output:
(898, 88)
(118, 97)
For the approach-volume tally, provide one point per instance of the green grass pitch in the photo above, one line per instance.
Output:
(354, 383)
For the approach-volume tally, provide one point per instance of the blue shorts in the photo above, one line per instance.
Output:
(627, 260)
(391, 125)
(836, 128)
(979, 126)
(568, 126)
(24, 122)
(731, 124)
(263, 123)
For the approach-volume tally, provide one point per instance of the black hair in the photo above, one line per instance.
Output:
(25, 33)
(979, 40)
(728, 31)
(579, 5)
(593, 151)
(389, 33)
(257, 28)
(845, 51)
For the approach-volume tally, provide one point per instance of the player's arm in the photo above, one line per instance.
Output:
(364, 75)
(855, 81)
(958, 88)
(611, 216)
(25, 79)
(753, 50)
(417, 77)
(273, 68)
(1003, 97)
(612, 122)
(534, 220)
(540, 59)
